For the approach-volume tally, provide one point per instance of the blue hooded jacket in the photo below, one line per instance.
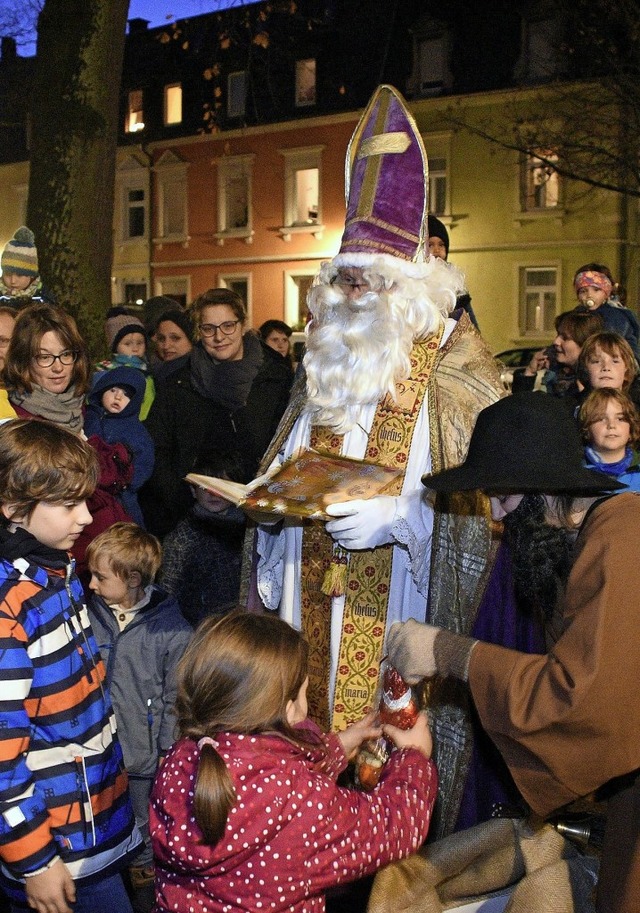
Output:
(123, 427)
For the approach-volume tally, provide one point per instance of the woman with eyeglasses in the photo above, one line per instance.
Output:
(228, 397)
(46, 373)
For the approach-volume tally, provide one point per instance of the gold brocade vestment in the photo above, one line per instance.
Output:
(368, 572)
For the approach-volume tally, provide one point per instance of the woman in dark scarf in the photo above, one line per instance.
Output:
(229, 395)
(46, 374)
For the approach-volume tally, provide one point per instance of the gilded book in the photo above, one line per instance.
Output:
(304, 485)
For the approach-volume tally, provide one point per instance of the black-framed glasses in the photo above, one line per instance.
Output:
(226, 328)
(46, 360)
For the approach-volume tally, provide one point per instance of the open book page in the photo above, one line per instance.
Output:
(230, 491)
(305, 485)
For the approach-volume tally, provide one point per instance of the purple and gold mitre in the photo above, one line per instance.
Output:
(386, 185)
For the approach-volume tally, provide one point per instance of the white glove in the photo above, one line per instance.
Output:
(362, 524)
(410, 649)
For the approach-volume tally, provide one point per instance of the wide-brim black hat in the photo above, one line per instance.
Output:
(526, 442)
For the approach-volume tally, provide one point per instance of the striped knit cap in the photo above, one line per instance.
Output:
(20, 255)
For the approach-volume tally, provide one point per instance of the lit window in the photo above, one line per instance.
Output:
(135, 113)
(307, 187)
(236, 94)
(540, 182)
(538, 299)
(438, 186)
(305, 82)
(302, 191)
(173, 104)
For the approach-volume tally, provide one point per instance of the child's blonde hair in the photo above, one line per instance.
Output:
(43, 462)
(128, 548)
(594, 407)
(238, 674)
(613, 344)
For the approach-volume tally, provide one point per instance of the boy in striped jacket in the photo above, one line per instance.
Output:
(66, 823)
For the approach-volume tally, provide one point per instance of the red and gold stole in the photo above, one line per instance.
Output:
(368, 573)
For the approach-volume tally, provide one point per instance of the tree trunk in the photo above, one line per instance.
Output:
(74, 130)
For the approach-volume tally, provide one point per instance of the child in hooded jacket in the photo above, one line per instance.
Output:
(113, 408)
(141, 635)
(127, 340)
(246, 814)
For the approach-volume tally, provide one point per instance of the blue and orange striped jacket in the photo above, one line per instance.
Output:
(63, 787)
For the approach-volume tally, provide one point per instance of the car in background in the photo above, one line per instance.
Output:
(517, 358)
(511, 359)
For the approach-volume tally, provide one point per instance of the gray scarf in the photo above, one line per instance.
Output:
(227, 383)
(61, 408)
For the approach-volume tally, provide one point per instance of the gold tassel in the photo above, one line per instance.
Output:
(334, 581)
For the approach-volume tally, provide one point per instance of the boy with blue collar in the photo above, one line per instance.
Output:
(66, 821)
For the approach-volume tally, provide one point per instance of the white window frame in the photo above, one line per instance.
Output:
(295, 160)
(236, 82)
(538, 331)
(230, 169)
(173, 285)
(134, 122)
(131, 175)
(306, 82)
(538, 178)
(118, 294)
(438, 146)
(429, 49)
(171, 177)
(227, 280)
(292, 314)
(170, 103)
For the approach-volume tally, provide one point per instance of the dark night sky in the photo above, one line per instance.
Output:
(160, 12)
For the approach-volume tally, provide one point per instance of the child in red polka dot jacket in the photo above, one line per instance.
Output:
(246, 814)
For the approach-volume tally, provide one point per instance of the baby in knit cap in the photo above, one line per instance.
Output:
(21, 283)
(127, 341)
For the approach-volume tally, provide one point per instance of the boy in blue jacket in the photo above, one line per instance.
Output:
(112, 413)
(66, 821)
(141, 635)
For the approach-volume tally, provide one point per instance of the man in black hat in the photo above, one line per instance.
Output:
(566, 722)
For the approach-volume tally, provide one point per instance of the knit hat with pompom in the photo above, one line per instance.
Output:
(20, 255)
(120, 323)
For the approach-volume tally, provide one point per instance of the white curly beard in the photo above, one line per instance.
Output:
(357, 350)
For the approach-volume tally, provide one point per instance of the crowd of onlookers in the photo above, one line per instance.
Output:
(178, 390)
(192, 389)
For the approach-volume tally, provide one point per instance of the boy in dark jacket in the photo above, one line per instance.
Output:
(141, 635)
(112, 413)
(66, 822)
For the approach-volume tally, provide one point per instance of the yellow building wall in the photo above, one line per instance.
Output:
(14, 183)
(491, 238)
